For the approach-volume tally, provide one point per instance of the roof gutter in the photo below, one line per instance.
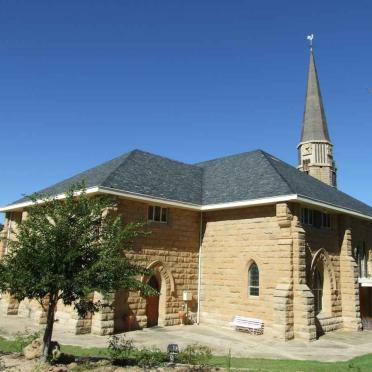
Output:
(25, 204)
(109, 191)
(198, 207)
(249, 203)
(319, 203)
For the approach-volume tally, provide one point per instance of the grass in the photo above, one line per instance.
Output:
(85, 352)
(360, 364)
(8, 346)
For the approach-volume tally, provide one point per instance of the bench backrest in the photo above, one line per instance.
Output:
(247, 321)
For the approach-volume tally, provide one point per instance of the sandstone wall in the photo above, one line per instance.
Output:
(232, 240)
(171, 250)
(271, 236)
(326, 243)
(322, 173)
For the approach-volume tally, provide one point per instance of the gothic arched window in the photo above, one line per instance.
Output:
(253, 280)
(318, 291)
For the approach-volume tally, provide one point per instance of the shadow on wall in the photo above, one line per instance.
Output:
(124, 318)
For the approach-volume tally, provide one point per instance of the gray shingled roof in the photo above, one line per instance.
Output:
(143, 173)
(241, 177)
(314, 126)
(309, 187)
(246, 176)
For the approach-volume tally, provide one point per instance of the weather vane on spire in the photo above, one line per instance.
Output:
(310, 38)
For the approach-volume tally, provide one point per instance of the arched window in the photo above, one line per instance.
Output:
(318, 291)
(253, 280)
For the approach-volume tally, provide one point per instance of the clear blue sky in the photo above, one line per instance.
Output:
(82, 81)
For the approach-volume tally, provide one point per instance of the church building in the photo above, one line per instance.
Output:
(245, 235)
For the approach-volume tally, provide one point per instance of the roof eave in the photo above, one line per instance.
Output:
(332, 207)
(25, 204)
(203, 208)
(249, 203)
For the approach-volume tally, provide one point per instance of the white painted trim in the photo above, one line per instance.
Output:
(314, 141)
(199, 267)
(249, 203)
(14, 207)
(197, 207)
(332, 207)
(365, 282)
(149, 199)
(166, 202)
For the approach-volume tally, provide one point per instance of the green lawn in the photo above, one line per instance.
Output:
(363, 363)
(360, 364)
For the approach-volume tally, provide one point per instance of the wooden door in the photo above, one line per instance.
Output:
(152, 305)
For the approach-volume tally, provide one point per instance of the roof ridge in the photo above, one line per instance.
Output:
(163, 157)
(227, 157)
(269, 158)
(126, 156)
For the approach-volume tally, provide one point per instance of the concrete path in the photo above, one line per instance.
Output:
(334, 346)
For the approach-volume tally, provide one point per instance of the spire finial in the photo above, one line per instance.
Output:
(310, 38)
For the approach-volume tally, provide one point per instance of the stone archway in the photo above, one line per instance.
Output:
(324, 287)
(162, 280)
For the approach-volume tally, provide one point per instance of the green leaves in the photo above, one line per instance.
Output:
(69, 248)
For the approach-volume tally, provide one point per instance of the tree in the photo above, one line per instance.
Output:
(67, 249)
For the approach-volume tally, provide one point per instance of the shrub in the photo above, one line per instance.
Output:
(120, 348)
(195, 355)
(149, 358)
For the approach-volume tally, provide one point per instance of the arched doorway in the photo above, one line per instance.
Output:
(152, 302)
(162, 280)
(324, 288)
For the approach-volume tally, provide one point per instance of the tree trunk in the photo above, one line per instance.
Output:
(49, 328)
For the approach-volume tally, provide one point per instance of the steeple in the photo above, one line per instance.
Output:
(315, 148)
(314, 127)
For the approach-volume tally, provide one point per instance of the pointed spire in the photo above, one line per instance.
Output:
(314, 126)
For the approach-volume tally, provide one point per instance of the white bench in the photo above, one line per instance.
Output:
(251, 325)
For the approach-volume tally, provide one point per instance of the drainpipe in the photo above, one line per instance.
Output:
(8, 234)
(199, 266)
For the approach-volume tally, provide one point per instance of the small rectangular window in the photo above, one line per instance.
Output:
(315, 218)
(305, 165)
(326, 220)
(157, 214)
(311, 217)
(151, 213)
(306, 216)
(164, 215)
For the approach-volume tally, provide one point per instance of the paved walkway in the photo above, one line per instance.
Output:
(335, 346)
